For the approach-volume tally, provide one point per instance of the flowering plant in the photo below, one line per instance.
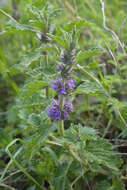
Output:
(43, 144)
(63, 86)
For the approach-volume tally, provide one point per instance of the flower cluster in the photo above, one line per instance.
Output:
(64, 86)
(57, 114)
(68, 60)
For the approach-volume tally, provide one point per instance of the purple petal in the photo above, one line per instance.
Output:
(63, 90)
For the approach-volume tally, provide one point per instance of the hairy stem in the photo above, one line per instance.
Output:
(61, 128)
(61, 124)
(47, 88)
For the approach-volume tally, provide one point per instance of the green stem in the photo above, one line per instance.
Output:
(47, 92)
(61, 124)
(61, 128)
(88, 105)
(107, 128)
(47, 88)
(61, 102)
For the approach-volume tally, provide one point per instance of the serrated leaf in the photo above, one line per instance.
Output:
(88, 87)
(92, 149)
(33, 87)
(23, 114)
(33, 143)
(100, 151)
(76, 132)
(77, 23)
(35, 11)
(34, 119)
(13, 25)
(59, 40)
(85, 55)
(26, 60)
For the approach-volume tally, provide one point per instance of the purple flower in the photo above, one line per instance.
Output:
(71, 84)
(62, 88)
(54, 112)
(65, 114)
(57, 114)
(56, 85)
(68, 106)
(59, 87)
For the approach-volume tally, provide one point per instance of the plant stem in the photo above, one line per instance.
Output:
(47, 88)
(46, 56)
(61, 124)
(61, 102)
(88, 105)
(107, 128)
(61, 128)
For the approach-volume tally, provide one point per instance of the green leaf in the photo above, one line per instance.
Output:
(53, 154)
(34, 119)
(103, 185)
(31, 188)
(85, 55)
(117, 184)
(12, 23)
(77, 23)
(59, 40)
(33, 87)
(100, 151)
(89, 87)
(26, 60)
(90, 149)
(4, 70)
(76, 132)
(34, 142)
(37, 120)
(61, 180)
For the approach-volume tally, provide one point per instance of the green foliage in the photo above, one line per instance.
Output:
(34, 36)
(85, 55)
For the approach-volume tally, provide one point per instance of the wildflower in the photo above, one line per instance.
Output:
(68, 106)
(57, 114)
(62, 88)
(58, 86)
(70, 84)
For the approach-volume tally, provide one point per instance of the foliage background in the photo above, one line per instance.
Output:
(99, 99)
